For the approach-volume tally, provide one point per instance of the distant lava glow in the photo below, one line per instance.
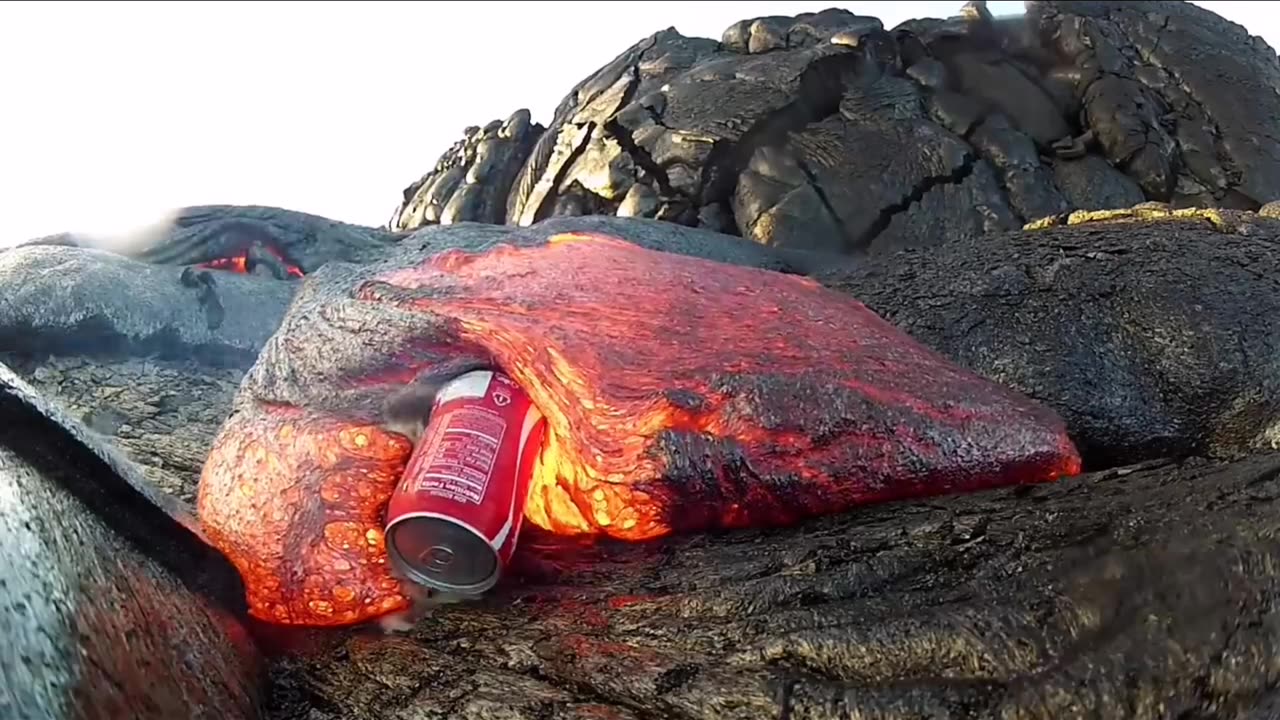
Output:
(239, 262)
(680, 395)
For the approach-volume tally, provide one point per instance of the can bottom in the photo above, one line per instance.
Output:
(442, 554)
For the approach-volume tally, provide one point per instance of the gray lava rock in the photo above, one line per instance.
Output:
(1145, 68)
(1091, 183)
(70, 300)
(111, 605)
(1152, 334)
(471, 181)
(824, 132)
(271, 239)
(162, 414)
(1088, 597)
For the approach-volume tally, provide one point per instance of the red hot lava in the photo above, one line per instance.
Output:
(680, 394)
(239, 263)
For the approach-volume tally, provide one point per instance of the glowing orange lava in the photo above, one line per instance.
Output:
(310, 552)
(680, 394)
(239, 263)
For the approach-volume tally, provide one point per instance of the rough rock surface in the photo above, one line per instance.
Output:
(471, 180)
(828, 132)
(162, 414)
(1152, 333)
(1101, 592)
(1150, 593)
(111, 604)
(267, 241)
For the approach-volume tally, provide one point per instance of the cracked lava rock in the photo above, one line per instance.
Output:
(681, 395)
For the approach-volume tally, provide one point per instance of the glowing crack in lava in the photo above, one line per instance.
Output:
(680, 394)
(240, 261)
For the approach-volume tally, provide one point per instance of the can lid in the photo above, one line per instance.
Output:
(444, 555)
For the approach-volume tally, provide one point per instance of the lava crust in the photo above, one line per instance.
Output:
(681, 395)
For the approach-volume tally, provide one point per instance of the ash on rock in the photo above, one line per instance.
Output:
(898, 165)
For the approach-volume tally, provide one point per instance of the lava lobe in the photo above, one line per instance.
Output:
(680, 395)
(245, 260)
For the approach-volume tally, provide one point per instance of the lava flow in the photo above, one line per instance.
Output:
(680, 395)
(240, 261)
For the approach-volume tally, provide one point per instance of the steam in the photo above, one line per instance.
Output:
(127, 237)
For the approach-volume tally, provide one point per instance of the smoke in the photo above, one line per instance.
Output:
(125, 237)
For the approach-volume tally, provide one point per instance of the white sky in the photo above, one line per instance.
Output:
(112, 113)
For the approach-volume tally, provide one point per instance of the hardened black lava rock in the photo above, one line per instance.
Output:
(1153, 588)
(1153, 332)
(827, 131)
(111, 604)
(1114, 590)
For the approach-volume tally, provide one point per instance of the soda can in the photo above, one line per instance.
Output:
(453, 520)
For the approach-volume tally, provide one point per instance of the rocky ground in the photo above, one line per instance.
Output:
(1134, 593)
(960, 127)
(897, 165)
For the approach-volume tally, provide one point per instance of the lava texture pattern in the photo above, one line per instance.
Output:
(680, 395)
(828, 132)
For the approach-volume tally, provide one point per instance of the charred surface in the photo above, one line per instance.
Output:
(945, 128)
(1152, 333)
(1090, 596)
(112, 605)
(272, 242)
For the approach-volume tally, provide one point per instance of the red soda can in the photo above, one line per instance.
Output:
(453, 520)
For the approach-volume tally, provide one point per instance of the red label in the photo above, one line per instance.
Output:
(462, 453)
(476, 458)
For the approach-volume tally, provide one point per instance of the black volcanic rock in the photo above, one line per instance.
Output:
(827, 132)
(1153, 333)
(1182, 99)
(471, 180)
(270, 239)
(111, 605)
(1138, 587)
(87, 301)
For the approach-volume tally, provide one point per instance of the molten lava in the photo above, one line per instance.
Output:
(239, 262)
(680, 394)
(301, 516)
